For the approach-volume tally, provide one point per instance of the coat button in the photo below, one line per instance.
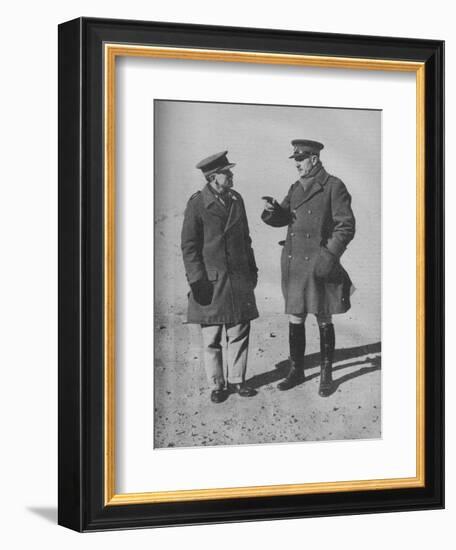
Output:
(289, 256)
(294, 211)
(309, 211)
(307, 235)
(306, 258)
(291, 234)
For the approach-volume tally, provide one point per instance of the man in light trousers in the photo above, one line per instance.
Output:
(222, 274)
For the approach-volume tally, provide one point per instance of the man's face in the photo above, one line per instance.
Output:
(305, 164)
(223, 180)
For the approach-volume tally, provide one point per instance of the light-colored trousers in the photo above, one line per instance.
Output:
(237, 347)
(322, 319)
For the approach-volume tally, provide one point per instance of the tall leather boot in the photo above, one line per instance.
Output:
(327, 345)
(297, 340)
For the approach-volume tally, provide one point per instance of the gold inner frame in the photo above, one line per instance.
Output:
(111, 52)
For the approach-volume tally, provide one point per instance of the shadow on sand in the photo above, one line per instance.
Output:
(311, 361)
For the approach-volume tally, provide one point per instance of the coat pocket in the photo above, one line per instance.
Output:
(325, 265)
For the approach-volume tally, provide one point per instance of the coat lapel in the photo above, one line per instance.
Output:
(212, 205)
(235, 213)
(315, 186)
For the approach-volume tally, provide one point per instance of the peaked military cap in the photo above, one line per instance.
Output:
(303, 147)
(215, 163)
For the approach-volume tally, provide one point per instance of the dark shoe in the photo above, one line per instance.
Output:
(243, 390)
(219, 395)
(327, 345)
(294, 377)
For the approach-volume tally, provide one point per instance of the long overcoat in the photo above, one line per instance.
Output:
(216, 245)
(320, 221)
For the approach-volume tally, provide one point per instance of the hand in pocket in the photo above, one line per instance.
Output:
(202, 291)
(325, 264)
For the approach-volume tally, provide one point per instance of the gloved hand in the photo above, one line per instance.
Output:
(255, 278)
(202, 291)
(270, 204)
(325, 263)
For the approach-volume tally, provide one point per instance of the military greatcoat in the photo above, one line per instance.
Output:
(216, 245)
(320, 221)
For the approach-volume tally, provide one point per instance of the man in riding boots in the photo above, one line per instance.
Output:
(317, 211)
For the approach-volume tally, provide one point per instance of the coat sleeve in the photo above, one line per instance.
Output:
(343, 219)
(281, 215)
(192, 239)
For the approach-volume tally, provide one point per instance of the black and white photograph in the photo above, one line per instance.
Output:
(224, 299)
(267, 296)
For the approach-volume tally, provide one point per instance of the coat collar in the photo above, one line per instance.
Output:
(316, 184)
(208, 196)
(212, 204)
(214, 207)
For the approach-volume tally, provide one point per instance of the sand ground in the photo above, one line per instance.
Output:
(185, 416)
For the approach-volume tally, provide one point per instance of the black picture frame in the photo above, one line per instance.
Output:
(81, 473)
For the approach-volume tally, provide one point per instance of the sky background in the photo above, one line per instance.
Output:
(258, 138)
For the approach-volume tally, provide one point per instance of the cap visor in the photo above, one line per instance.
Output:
(227, 166)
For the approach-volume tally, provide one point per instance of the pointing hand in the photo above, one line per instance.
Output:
(269, 203)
